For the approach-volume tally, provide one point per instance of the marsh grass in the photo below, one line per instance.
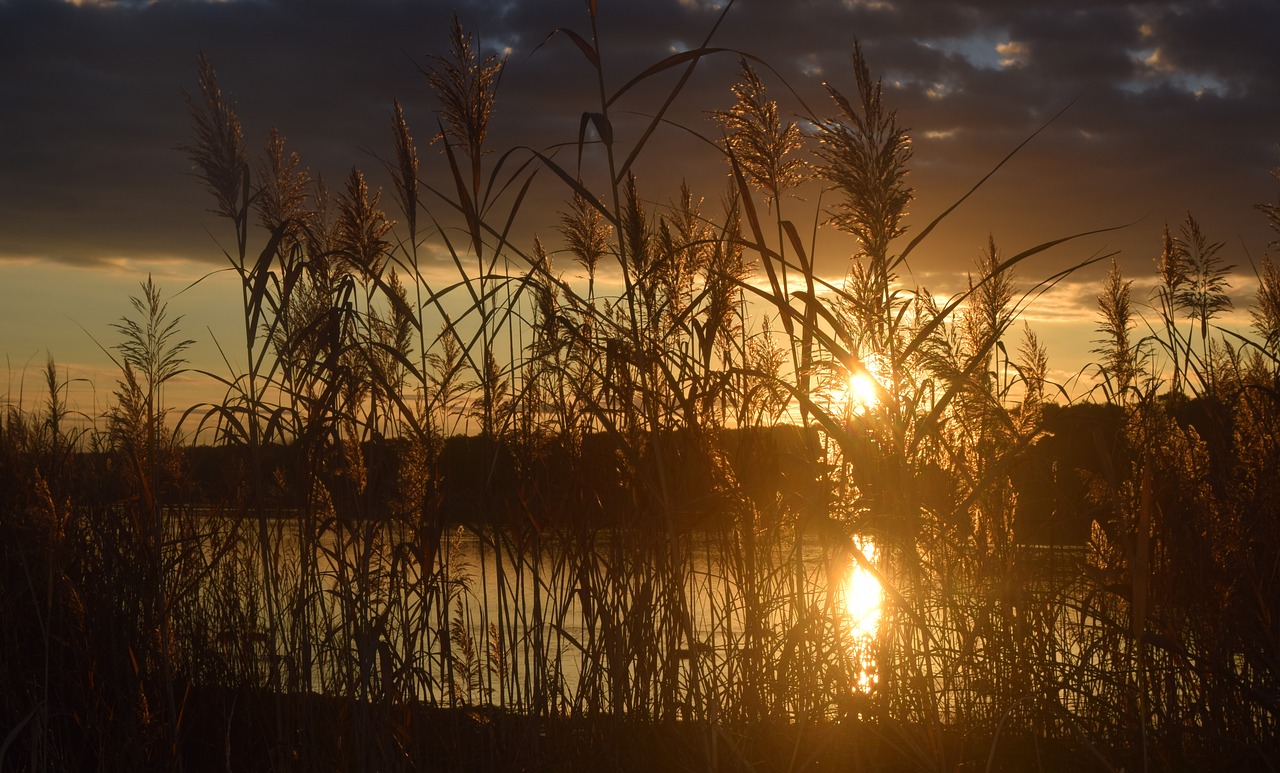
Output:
(514, 520)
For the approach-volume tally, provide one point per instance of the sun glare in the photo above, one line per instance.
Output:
(857, 393)
(862, 596)
(862, 390)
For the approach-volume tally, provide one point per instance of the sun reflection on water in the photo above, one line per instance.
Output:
(862, 596)
(860, 605)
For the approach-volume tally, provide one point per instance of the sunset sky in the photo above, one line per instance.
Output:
(1176, 109)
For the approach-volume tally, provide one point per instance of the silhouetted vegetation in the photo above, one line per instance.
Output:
(518, 518)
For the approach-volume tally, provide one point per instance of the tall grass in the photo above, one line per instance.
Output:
(458, 523)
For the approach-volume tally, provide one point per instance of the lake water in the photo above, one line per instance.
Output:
(487, 617)
(600, 619)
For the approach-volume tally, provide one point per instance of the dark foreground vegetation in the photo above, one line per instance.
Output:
(511, 520)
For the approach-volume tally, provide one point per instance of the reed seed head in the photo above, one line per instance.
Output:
(361, 228)
(864, 154)
(466, 86)
(756, 135)
(218, 152)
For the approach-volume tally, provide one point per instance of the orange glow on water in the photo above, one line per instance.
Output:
(862, 597)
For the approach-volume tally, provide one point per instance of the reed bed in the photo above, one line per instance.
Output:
(518, 519)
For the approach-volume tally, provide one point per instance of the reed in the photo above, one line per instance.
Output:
(512, 515)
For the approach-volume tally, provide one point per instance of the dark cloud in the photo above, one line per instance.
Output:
(1233, 42)
(1175, 106)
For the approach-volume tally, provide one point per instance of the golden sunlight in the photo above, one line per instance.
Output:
(862, 596)
(862, 392)
(857, 392)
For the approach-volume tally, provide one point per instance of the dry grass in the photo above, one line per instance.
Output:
(515, 520)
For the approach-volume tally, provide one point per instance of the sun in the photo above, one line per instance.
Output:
(858, 392)
(863, 391)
